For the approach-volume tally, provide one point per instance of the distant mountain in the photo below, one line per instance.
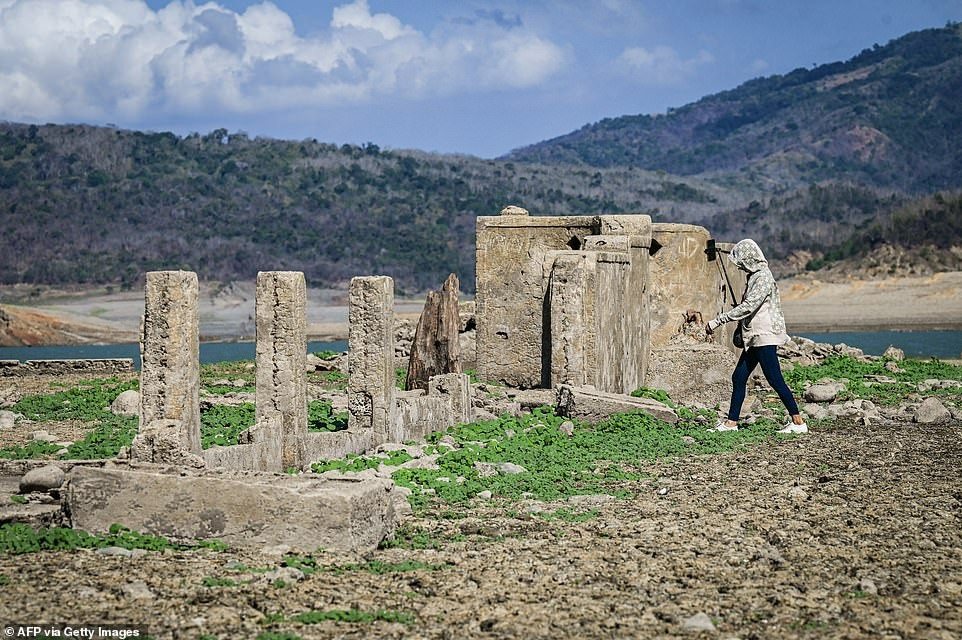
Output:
(890, 118)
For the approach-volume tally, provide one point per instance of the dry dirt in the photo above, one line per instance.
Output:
(851, 531)
(226, 311)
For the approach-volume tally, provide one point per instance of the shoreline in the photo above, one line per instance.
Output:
(922, 303)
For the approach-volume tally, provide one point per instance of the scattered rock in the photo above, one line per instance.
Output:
(824, 392)
(137, 590)
(486, 469)
(699, 622)
(798, 494)
(47, 478)
(126, 404)
(9, 418)
(867, 585)
(894, 353)
(932, 411)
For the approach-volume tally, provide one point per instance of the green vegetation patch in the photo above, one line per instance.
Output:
(21, 538)
(87, 402)
(594, 459)
(320, 417)
(859, 383)
(341, 615)
(220, 425)
(355, 462)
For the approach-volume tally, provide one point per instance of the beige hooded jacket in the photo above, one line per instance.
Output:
(760, 311)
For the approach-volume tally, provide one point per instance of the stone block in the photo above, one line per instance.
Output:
(510, 290)
(682, 280)
(255, 511)
(695, 373)
(590, 405)
(456, 389)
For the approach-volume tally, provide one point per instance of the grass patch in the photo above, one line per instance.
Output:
(599, 458)
(19, 538)
(910, 374)
(87, 402)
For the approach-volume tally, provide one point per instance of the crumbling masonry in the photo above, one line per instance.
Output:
(587, 305)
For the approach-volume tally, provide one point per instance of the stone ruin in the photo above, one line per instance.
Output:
(613, 302)
(586, 307)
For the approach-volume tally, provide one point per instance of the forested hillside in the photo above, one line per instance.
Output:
(890, 118)
(827, 163)
(81, 204)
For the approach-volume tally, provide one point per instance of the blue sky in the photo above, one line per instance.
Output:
(450, 76)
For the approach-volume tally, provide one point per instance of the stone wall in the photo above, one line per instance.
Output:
(106, 366)
(549, 287)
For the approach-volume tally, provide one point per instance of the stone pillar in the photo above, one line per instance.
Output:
(598, 320)
(281, 352)
(169, 430)
(371, 373)
(571, 321)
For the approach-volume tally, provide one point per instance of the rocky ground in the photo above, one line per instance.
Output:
(850, 531)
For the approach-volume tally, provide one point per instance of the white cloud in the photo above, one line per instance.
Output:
(118, 60)
(660, 65)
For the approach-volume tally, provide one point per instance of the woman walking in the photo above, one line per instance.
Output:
(763, 328)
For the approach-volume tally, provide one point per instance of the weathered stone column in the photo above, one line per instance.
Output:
(281, 352)
(169, 428)
(598, 314)
(371, 375)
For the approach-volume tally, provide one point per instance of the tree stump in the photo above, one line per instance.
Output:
(435, 348)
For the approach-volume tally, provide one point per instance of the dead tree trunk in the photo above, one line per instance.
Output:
(435, 348)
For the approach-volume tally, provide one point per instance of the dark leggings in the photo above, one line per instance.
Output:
(767, 356)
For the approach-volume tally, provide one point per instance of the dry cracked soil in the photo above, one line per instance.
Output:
(850, 531)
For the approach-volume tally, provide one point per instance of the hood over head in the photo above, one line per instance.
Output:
(748, 255)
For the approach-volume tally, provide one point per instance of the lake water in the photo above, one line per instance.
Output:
(916, 344)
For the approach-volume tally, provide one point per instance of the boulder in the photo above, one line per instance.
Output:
(824, 392)
(932, 411)
(43, 479)
(126, 404)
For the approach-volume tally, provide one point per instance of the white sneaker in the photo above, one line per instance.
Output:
(791, 427)
(724, 426)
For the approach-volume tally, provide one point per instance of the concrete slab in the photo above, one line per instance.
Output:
(298, 513)
(593, 406)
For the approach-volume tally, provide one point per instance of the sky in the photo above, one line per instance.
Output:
(447, 76)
